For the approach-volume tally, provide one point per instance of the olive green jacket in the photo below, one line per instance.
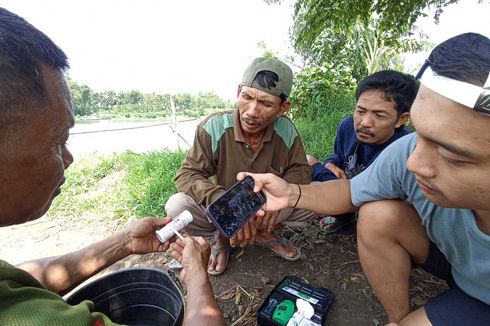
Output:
(25, 302)
(219, 152)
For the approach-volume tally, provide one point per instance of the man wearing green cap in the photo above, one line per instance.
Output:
(255, 137)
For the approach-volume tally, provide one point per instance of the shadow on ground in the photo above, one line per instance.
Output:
(329, 261)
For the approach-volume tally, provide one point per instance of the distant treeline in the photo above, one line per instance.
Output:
(134, 104)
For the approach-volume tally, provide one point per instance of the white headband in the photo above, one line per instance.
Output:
(463, 93)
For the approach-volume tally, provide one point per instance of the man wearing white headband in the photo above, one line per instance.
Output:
(425, 202)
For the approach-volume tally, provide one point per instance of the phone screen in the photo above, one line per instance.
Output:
(235, 207)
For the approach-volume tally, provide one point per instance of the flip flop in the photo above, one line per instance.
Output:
(215, 252)
(332, 224)
(284, 243)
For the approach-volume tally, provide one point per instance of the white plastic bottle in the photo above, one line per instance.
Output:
(177, 224)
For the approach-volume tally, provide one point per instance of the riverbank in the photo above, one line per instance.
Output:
(108, 137)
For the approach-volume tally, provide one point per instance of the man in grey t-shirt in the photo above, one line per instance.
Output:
(425, 201)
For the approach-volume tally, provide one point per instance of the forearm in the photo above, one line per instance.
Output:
(325, 198)
(198, 187)
(298, 170)
(299, 174)
(202, 308)
(60, 274)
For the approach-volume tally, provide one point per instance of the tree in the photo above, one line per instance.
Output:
(370, 32)
(82, 98)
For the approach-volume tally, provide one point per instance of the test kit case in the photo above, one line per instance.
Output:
(277, 307)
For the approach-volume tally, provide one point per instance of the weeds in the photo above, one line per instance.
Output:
(119, 186)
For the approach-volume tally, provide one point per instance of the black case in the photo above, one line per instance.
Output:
(292, 287)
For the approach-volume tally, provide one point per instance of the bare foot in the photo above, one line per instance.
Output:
(264, 237)
(220, 253)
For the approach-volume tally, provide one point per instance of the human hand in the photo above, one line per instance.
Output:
(140, 235)
(311, 159)
(193, 253)
(280, 194)
(244, 236)
(268, 221)
(339, 173)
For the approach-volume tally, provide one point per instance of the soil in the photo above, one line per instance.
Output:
(329, 261)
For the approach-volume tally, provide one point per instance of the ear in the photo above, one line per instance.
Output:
(402, 119)
(238, 90)
(285, 106)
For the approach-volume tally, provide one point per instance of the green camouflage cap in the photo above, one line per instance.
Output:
(282, 70)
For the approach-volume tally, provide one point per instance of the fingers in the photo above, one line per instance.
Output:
(268, 221)
(245, 236)
(178, 249)
(259, 179)
(159, 221)
(272, 221)
(259, 221)
(343, 175)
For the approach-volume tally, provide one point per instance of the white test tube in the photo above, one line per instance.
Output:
(177, 224)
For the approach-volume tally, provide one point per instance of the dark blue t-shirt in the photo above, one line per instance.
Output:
(350, 154)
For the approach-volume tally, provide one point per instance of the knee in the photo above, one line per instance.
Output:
(177, 203)
(378, 219)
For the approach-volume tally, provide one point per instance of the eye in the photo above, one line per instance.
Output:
(381, 116)
(450, 159)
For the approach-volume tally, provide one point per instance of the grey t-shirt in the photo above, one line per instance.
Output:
(453, 230)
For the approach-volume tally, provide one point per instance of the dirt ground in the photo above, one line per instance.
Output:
(329, 261)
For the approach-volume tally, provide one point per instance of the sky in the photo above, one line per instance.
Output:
(187, 46)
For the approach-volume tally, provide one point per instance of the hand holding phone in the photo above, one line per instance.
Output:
(235, 207)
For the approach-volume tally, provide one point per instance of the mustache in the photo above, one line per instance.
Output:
(365, 131)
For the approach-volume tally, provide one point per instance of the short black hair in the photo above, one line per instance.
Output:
(465, 57)
(269, 79)
(397, 87)
(23, 51)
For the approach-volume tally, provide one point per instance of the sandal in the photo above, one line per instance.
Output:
(215, 252)
(332, 224)
(284, 243)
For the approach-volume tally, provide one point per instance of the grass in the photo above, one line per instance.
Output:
(127, 185)
(119, 186)
(318, 125)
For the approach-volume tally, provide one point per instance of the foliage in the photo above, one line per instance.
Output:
(82, 98)
(363, 48)
(318, 122)
(118, 186)
(312, 17)
(315, 86)
(149, 180)
(135, 104)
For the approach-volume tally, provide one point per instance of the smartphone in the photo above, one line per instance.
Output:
(235, 207)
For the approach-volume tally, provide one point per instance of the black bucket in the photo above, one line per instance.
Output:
(135, 296)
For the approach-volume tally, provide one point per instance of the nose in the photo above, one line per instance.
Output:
(67, 157)
(421, 160)
(367, 121)
(253, 109)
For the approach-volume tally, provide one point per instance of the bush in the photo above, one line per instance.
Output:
(315, 88)
(318, 124)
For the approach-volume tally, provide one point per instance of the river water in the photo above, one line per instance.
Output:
(108, 136)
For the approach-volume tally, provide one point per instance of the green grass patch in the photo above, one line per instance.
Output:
(318, 124)
(149, 181)
(118, 186)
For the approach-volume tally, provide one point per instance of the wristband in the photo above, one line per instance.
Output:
(299, 196)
